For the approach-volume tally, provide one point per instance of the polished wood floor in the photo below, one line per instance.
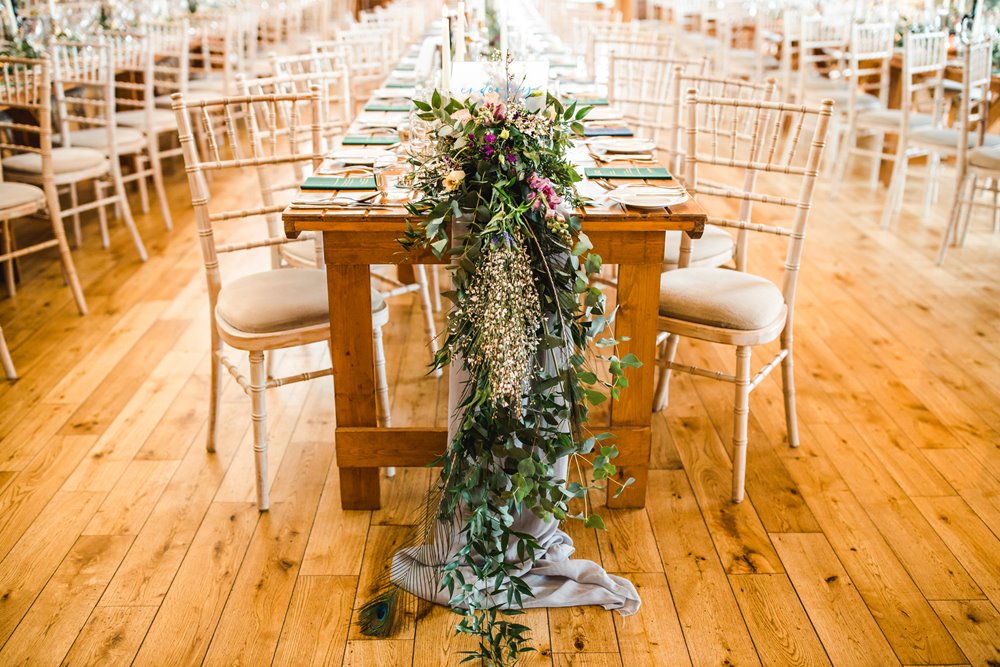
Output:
(876, 543)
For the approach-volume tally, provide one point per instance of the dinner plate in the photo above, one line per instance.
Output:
(647, 196)
(604, 113)
(625, 145)
(360, 156)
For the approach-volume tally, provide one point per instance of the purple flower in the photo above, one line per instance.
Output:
(512, 158)
(490, 138)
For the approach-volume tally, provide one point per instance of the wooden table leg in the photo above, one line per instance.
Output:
(349, 287)
(638, 302)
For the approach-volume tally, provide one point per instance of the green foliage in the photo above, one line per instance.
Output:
(499, 172)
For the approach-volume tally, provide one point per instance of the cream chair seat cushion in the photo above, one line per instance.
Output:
(164, 120)
(842, 99)
(13, 195)
(985, 157)
(948, 137)
(130, 140)
(715, 244)
(280, 300)
(64, 161)
(892, 118)
(720, 298)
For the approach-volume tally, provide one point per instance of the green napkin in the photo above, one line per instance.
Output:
(405, 68)
(367, 140)
(588, 101)
(627, 172)
(339, 183)
(375, 106)
(398, 84)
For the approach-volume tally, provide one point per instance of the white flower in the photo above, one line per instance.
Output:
(453, 179)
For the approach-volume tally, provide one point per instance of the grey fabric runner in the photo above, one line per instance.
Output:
(555, 579)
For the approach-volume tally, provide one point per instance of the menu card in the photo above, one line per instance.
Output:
(627, 172)
(339, 183)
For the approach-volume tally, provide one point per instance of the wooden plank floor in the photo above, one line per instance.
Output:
(876, 543)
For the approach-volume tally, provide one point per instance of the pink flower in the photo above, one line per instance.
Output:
(462, 116)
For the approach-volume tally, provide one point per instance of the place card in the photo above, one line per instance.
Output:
(339, 183)
(369, 140)
(627, 172)
(607, 132)
(375, 106)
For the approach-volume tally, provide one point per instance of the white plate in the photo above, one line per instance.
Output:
(646, 196)
(604, 113)
(392, 93)
(361, 156)
(623, 145)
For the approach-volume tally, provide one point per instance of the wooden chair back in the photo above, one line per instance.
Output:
(84, 82)
(641, 87)
(823, 42)
(716, 139)
(170, 46)
(869, 59)
(242, 142)
(710, 86)
(974, 110)
(925, 59)
(27, 85)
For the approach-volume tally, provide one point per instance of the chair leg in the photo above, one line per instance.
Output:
(258, 417)
(844, 158)
(436, 287)
(138, 163)
(897, 187)
(215, 397)
(100, 190)
(967, 218)
(5, 360)
(788, 388)
(126, 210)
(951, 232)
(430, 327)
(996, 204)
(662, 396)
(876, 167)
(8, 248)
(161, 191)
(74, 202)
(741, 413)
(69, 270)
(382, 387)
(930, 189)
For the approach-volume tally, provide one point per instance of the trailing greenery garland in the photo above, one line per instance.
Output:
(524, 317)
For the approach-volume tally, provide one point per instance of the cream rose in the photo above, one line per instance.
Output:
(453, 180)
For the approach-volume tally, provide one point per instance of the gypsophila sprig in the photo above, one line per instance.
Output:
(496, 195)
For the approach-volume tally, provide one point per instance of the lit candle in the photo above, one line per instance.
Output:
(445, 50)
(460, 33)
(503, 33)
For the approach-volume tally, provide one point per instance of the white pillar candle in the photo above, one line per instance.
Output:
(503, 33)
(10, 18)
(445, 50)
(460, 33)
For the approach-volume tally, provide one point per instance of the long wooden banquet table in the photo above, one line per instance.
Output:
(355, 239)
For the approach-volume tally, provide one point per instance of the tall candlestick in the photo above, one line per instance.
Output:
(460, 33)
(445, 50)
(503, 33)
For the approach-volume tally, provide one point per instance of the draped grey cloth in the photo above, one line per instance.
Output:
(555, 579)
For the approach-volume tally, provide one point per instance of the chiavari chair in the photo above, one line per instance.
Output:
(716, 246)
(925, 58)
(366, 56)
(739, 308)
(868, 82)
(641, 88)
(977, 154)
(5, 359)
(26, 88)
(272, 309)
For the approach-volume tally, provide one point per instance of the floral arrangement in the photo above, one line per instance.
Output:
(496, 192)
